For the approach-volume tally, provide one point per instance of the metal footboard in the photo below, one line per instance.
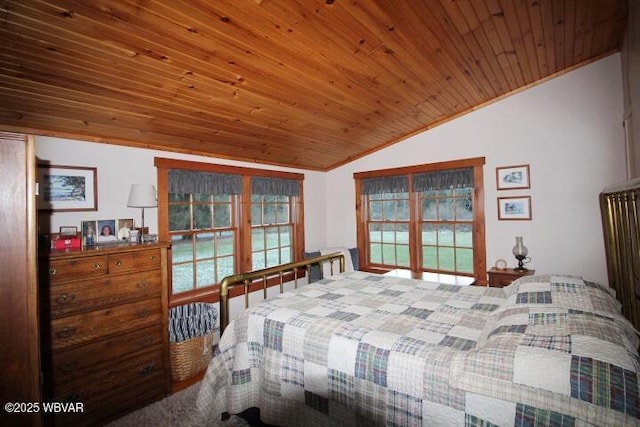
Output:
(246, 279)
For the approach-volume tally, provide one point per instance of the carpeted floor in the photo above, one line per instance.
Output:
(176, 410)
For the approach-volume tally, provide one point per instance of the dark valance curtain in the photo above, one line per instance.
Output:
(442, 180)
(200, 182)
(264, 186)
(386, 184)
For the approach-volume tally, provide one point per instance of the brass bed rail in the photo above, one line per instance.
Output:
(264, 274)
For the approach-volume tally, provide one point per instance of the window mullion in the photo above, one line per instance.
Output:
(194, 263)
(279, 229)
(244, 252)
(415, 252)
(264, 226)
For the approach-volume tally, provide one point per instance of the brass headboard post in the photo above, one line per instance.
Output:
(247, 278)
(619, 207)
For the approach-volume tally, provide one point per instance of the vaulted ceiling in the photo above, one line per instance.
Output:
(310, 84)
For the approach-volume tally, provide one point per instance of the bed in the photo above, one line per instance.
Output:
(363, 349)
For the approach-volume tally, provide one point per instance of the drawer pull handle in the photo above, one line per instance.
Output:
(146, 370)
(65, 299)
(153, 258)
(97, 266)
(145, 342)
(144, 313)
(66, 332)
(52, 272)
(118, 263)
(68, 367)
(143, 284)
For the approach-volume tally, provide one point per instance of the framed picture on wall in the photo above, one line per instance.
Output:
(513, 177)
(67, 188)
(514, 208)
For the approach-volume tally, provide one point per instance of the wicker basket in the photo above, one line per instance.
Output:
(191, 356)
(191, 328)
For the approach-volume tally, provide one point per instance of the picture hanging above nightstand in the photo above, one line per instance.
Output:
(513, 177)
(514, 208)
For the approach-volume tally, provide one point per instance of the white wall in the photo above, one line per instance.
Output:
(119, 167)
(569, 130)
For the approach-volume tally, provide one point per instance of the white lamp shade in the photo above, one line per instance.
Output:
(142, 196)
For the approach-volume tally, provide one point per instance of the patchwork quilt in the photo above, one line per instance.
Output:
(360, 349)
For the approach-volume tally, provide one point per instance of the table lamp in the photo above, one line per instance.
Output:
(520, 251)
(142, 196)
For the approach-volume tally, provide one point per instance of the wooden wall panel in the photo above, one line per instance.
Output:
(19, 338)
(311, 84)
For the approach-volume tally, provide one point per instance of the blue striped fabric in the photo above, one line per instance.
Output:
(191, 320)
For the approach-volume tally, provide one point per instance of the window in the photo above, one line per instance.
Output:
(224, 220)
(423, 218)
(389, 229)
(446, 225)
(271, 231)
(203, 236)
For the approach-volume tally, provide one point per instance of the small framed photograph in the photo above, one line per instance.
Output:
(513, 177)
(514, 208)
(68, 231)
(124, 228)
(89, 233)
(67, 188)
(107, 231)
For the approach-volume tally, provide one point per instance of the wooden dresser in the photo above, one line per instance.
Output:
(104, 329)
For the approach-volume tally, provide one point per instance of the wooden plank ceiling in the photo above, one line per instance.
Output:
(311, 84)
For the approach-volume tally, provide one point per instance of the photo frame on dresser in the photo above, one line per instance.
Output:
(106, 231)
(89, 233)
(124, 228)
(68, 231)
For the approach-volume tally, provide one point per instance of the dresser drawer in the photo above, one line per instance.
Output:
(100, 381)
(82, 328)
(76, 362)
(128, 262)
(110, 404)
(62, 270)
(74, 297)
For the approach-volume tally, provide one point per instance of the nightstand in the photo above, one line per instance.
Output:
(500, 278)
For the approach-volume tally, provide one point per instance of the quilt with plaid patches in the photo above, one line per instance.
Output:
(364, 349)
